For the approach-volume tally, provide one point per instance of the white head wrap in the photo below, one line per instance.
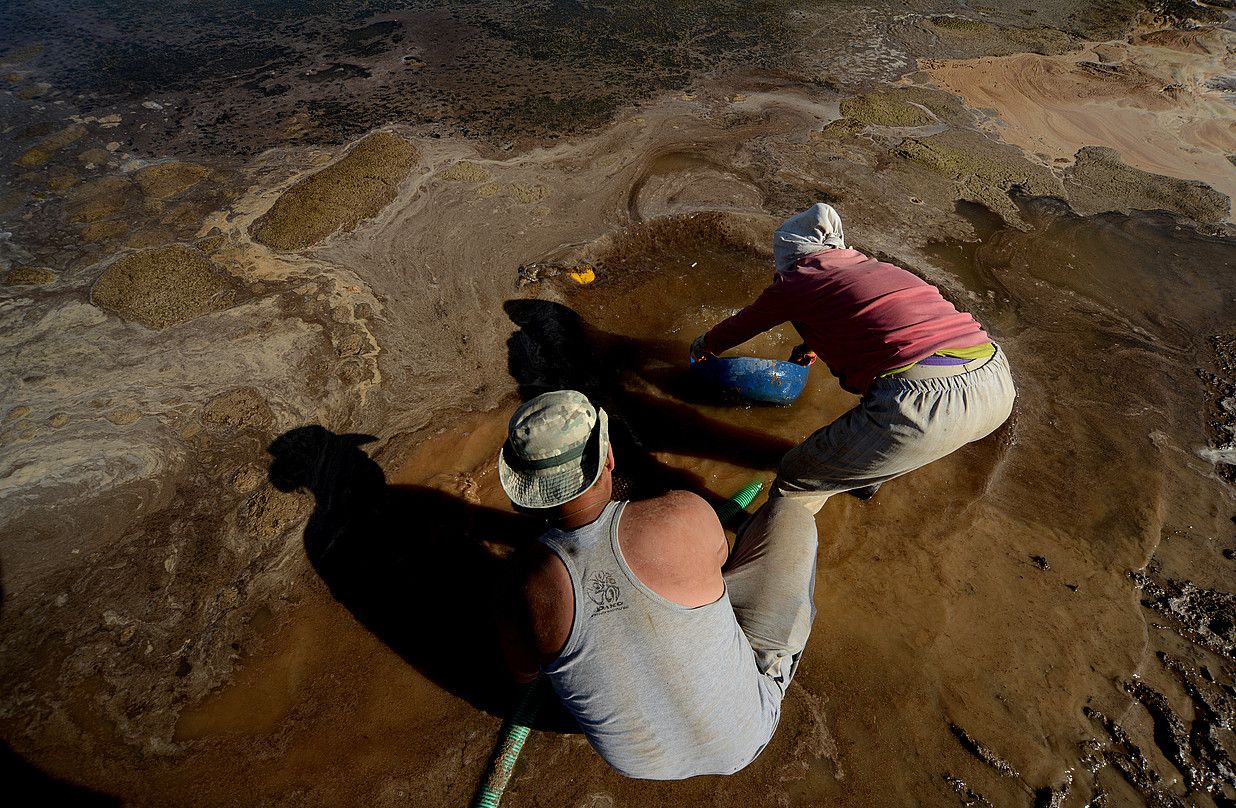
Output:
(815, 229)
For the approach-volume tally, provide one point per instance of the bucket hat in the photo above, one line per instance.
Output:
(555, 449)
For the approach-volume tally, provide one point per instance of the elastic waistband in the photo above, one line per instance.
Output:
(919, 372)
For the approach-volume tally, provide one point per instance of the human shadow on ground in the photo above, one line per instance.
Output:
(417, 567)
(556, 349)
(32, 786)
(422, 569)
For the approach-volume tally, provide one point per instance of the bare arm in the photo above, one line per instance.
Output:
(514, 630)
(536, 612)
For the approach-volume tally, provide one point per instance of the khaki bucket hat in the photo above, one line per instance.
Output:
(555, 449)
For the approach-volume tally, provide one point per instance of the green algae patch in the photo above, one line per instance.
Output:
(466, 171)
(340, 196)
(169, 179)
(17, 413)
(146, 237)
(95, 156)
(38, 155)
(977, 38)
(99, 199)
(885, 108)
(163, 286)
(22, 54)
(33, 91)
(982, 169)
(40, 129)
(1100, 181)
(124, 416)
(29, 276)
(527, 194)
(60, 178)
(104, 230)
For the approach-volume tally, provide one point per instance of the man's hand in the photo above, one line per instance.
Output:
(802, 355)
(699, 350)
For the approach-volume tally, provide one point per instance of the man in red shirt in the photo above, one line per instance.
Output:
(930, 378)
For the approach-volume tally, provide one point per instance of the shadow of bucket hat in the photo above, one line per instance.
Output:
(555, 449)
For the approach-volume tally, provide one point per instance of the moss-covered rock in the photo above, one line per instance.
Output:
(527, 194)
(163, 286)
(466, 171)
(338, 197)
(977, 38)
(169, 179)
(105, 230)
(885, 108)
(99, 199)
(1100, 181)
(40, 154)
(29, 276)
(982, 169)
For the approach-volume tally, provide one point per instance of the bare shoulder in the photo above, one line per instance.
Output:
(692, 508)
(681, 512)
(676, 547)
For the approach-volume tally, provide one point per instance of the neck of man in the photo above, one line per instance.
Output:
(583, 510)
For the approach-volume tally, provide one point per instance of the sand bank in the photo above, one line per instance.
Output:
(1155, 99)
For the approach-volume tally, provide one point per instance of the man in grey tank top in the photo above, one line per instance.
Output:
(672, 652)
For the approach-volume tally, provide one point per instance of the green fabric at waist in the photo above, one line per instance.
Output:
(977, 352)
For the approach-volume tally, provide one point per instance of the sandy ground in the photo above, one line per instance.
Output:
(250, 522)
(1160, 99)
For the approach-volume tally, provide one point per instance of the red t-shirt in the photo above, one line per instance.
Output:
(861, 316)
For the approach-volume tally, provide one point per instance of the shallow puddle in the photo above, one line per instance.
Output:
(1049, 605)
(986, 597)
(989, 591)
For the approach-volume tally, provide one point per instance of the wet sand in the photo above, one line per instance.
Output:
(252, 527)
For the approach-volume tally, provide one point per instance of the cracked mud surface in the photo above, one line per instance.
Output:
(260, 365)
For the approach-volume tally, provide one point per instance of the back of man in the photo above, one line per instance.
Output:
(654, 665)
(672, 665)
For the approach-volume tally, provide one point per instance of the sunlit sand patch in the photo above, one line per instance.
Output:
(1155, 106)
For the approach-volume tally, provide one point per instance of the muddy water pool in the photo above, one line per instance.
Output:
(1048, 606)
(980, 607)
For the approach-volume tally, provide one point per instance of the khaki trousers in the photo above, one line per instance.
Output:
(900, 425)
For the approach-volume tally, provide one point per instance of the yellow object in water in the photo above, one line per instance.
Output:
(584, 275)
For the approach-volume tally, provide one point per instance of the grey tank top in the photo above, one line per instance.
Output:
(661, 690)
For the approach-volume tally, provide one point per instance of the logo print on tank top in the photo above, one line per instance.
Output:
(603, 591)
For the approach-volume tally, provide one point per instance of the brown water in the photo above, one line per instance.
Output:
(983, 602)
(1050, 605)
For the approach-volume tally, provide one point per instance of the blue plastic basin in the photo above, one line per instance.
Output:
(769, 380)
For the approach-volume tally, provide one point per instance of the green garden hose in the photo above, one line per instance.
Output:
(515, 730)
(736, 504)
(511, 741)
